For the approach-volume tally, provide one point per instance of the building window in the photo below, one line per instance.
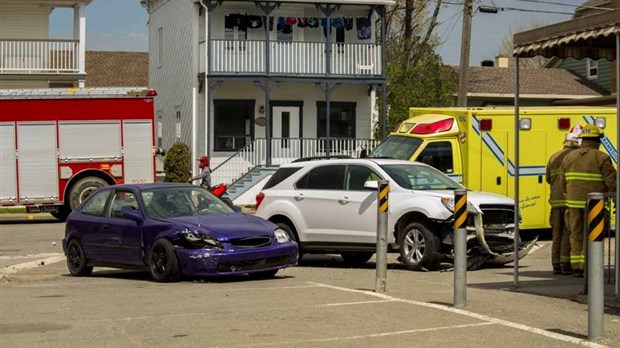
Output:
(177, 111)
(233, 121)
(592, 69)
(342, 120)
(160, 46)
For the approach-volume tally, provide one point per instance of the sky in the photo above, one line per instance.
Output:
(120, 25)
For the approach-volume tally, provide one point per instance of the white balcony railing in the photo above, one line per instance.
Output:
(294, 58)
(285, 151)
(39, 56)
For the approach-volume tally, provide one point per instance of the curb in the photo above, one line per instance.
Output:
(26, 217)
(7, 271)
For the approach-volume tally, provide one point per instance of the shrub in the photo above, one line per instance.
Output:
(177, 163)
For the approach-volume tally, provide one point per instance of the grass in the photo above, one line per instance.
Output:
(13, 210)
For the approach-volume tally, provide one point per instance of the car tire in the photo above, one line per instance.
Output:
(357, 258)
(292, 236)
(163, 262)
(83, 188)
(76, 259)
(416, 244)
(264, 274)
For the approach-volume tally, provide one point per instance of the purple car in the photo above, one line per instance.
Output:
(172, 229)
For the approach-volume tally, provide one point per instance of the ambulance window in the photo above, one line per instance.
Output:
(438, 155)
(397, 147)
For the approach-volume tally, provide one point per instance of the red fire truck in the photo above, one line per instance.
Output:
(59, 145)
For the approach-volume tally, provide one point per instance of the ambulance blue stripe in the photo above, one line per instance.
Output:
(607, 144)
(499, 154)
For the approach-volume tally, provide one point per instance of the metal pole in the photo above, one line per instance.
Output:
(465, 43)
(266, 89)
(382, 228)
(383, 76)
(460, 248)
(596, 286)
(517, 236)
(617, 285)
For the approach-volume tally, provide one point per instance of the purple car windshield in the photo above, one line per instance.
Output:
(162, 203)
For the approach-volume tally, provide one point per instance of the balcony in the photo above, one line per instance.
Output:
(39, 56)
(304, 59)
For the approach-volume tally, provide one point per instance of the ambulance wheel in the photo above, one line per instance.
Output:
(416, 245)
(83, 188)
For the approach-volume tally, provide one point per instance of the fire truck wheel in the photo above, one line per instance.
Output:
(83, 188)
(62, 213)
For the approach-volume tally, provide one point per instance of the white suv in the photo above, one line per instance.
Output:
(330, 206)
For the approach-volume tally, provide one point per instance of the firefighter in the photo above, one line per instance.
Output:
(205, 173)
(584, 171)
(560, 247)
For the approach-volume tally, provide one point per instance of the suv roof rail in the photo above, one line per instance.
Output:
(305, 159)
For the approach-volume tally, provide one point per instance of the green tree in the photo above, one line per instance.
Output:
(416, 75)
(177, 163)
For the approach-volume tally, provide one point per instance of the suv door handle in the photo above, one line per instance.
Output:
(299, 197)
(345, 200)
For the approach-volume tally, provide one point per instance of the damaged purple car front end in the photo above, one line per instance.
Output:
(229, 245)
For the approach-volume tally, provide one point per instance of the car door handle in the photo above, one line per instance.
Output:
(299, 197)
(345, 200)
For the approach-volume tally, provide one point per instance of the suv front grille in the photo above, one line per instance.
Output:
(493, 214)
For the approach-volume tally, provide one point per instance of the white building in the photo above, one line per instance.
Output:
(228, 71)
(28, 57)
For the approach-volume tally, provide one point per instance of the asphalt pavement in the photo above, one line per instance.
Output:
(321, 303)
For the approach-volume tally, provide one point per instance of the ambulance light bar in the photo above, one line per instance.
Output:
(435, 127)
(563, 123)
(486, 124)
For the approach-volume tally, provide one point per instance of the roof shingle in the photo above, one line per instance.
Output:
(117, 69)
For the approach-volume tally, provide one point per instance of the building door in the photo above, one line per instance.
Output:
(286, 133)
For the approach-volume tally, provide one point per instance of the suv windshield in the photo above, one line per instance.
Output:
(419, 177)
(397, 147)
(162, 203)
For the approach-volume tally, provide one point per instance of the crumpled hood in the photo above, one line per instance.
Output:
(475, 197)
(224, 227)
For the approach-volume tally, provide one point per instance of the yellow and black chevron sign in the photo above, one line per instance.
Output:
(596, 220)
(383, 197)
(460, 210)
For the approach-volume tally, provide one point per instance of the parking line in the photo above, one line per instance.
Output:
(358, 337)
(353, 303)
(486, 318)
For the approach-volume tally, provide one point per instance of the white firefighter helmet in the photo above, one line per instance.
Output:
(572, 137)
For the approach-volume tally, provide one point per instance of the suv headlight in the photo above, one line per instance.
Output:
(281, 236)
(449, 204)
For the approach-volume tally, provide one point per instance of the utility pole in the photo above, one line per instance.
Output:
(465, 44)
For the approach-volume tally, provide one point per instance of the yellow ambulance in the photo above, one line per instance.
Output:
(475, 147)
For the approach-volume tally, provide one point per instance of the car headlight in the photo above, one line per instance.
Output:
(449, 204)
(281, 236)
(193, 239)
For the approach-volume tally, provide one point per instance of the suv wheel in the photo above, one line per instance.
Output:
(416, 243)
(292, 236)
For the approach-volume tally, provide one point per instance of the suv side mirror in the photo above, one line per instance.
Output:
(135, 215)
(371, 185)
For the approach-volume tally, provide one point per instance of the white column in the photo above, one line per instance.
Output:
(79, 34)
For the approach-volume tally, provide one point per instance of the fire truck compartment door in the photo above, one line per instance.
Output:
(138, 152)
(92, 140)
(8, 173)
(37, 164)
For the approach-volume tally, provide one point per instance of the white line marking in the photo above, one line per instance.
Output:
(541, 332)
(31, 264)
(352, 303)
(382, 334)
(29, 256)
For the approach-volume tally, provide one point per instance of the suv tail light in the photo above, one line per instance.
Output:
(259, 199)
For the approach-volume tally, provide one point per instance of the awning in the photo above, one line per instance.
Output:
(585, 37)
